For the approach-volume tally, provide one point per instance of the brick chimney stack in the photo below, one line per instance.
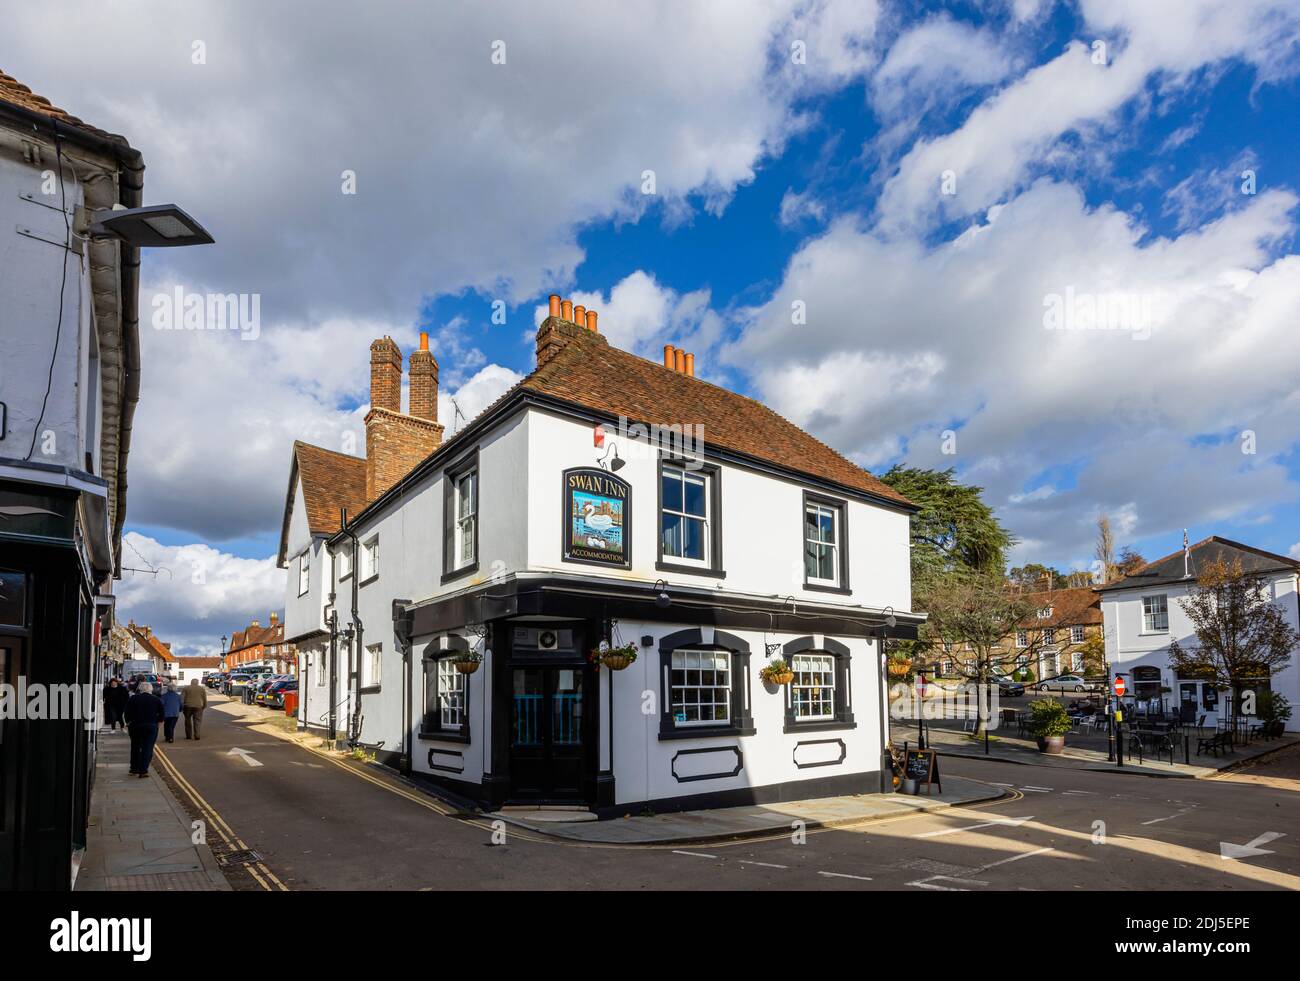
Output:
(563, 323)
(424, 382)
(396, 443)
(385, 375)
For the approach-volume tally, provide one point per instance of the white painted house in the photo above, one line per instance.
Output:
(1143, 615)
(574, 512)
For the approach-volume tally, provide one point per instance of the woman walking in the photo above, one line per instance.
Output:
(171, 712)
(144, 711)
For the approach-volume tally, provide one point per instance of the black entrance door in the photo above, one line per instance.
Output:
(548, 724)
(11, 796)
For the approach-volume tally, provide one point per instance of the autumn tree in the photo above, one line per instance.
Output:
(1129, 561)
(1242, 637)
(1104, 550)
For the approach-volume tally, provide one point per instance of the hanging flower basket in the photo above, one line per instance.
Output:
(777, 673)
(467, 662)
(614, 658)
(898, 668)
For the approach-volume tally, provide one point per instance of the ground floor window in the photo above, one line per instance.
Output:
(812, 693)
(701, 687)
(445, 696)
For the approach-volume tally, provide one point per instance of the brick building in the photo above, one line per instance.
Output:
(257, 644)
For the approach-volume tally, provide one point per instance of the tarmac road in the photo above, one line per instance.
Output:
(320, 823)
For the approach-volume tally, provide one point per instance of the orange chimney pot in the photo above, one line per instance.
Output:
(580, 315)
(690, 365)
(566, 309)
(668, 355)
(424, 341)
(679, 360)
(554, 301)
(591, 321)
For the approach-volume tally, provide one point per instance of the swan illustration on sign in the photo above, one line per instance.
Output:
(596, 514)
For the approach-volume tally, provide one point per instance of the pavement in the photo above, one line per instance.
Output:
(139, 837)
(316, 820)
(1005, 745)
(758, 820)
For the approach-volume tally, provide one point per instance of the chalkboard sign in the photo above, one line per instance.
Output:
(922, 765)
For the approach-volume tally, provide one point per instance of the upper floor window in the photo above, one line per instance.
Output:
(684, 518)
(1022, 638)
(304, 572)
(466, 517)
(460, 517)
(1049, 635)
(1155, 613)
(825, 559)
(370, 559)
(345, 563)
(374, 662)
(1076, 635)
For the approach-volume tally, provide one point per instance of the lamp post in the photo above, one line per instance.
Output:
(886, 760)
(223, 652)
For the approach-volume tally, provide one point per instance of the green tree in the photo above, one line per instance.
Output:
(1034, 576)
(954, 530)
(1242, 636)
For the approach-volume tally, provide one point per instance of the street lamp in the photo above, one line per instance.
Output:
(223, 652)
(158, 226)
(886, 760)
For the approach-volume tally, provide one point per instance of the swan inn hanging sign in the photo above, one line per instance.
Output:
(597, 518)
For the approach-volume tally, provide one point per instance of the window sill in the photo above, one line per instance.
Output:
(367, 582)
(690, 570)
(819, 588)
(464, 570)
(446, 737)
(829, 725)
(706, 732)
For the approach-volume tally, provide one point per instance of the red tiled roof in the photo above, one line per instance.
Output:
(148, 640)
(255, 635)
(590, 372)
(198, 662)
(330, 481)
(1078, 607)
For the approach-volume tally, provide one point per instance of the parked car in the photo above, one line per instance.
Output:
(263, 685)
(275, 694)
(236, 683)
(1009, 688)
(216, 679)
(1066, 682)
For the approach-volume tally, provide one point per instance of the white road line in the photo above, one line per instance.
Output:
(1030, 787)
(1035, 790)
(766, 865)
(1169, 818)
(1002, 784)
(693, 854)
(1087, 792)
(845, 875)
(929, 883)
(1011, 822)
(1014, 858)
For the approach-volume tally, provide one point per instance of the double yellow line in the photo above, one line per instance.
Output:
(258, 870)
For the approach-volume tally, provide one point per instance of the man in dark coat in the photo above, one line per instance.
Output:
(115, 696)
(144, 711)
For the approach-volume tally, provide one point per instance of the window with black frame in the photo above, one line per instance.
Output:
(819, 695)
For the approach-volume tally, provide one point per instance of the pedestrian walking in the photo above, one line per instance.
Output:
(172, 703)
(115, 696)
(194, 701)
(144, 711)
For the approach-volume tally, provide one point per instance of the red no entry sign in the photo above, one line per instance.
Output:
(1119, 686)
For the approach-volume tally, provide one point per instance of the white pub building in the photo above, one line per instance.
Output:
(1143, 615)
(604, 502)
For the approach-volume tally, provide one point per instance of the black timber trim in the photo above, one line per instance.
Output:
(455, 753)
(794, 756)
(721, 775)
(836, 785)
(573, 598)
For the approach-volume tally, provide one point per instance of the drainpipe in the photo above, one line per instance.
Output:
(402, 623)
(334, 643)
(355, 645)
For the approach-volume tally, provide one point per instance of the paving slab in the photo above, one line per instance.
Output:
(756, 820)
(139, 836)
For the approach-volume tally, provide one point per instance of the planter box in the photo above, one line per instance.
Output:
(1053, 745)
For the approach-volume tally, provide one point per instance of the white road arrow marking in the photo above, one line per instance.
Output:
(245, 754)
(1249, 850)
(1012, 822)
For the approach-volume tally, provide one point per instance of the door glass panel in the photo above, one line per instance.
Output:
(527, 707)
(566, 709)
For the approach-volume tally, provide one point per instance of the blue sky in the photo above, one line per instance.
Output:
(1078, 174)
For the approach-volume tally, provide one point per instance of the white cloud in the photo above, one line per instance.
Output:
(198, 593)
(903, 342)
